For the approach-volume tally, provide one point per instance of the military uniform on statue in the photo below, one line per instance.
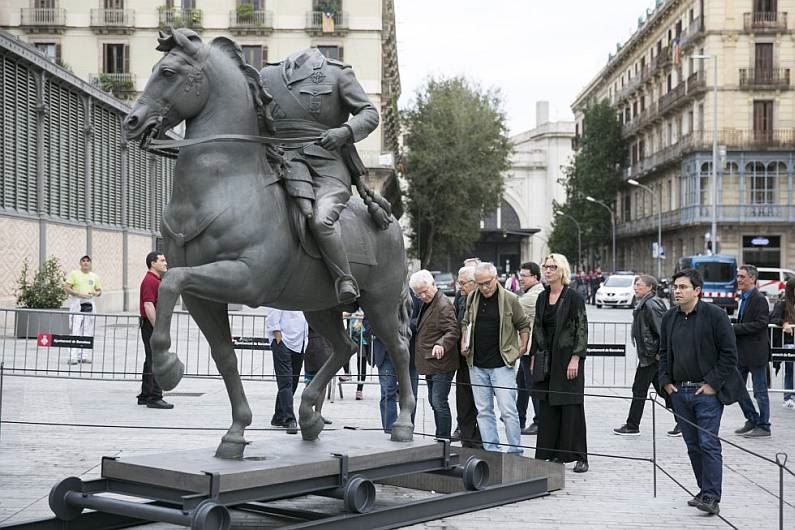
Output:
(316, 96)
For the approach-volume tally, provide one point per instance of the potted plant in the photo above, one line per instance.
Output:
(44, 291)
(329, 7)
(245, 14)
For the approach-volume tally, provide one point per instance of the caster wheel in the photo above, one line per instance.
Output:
(476, 474)
(209, 515)
(359, 495)
(58, 504)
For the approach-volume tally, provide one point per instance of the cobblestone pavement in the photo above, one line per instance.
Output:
(44, 438)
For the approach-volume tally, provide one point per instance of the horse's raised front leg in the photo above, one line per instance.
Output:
(329, 324)
(213, 321)
(221, 281)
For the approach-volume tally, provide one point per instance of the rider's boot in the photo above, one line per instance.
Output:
(333, 251)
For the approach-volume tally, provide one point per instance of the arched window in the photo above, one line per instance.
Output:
(704, 183)
(730, 184)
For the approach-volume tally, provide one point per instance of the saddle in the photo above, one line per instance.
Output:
(358, 234)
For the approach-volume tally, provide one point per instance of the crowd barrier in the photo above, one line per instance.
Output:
(39, 343)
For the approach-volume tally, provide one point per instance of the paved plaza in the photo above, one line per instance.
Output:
(49, 433)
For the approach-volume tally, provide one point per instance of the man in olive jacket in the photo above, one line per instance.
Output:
(436, 347)
(494, 324)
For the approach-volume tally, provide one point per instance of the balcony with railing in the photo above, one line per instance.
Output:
(112, 20)
(696, 82)
(256, 22)
(43, 20)
(319, 24)
(664, 58)
(702, 214)
(693, 32)
(764, 79)
(765, 22)
(669, 101)
(121, 85)
(180, 18)
(641, 120)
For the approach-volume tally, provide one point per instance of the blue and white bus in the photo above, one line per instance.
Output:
(720, 279)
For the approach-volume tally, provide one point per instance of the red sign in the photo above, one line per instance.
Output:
(44, 340)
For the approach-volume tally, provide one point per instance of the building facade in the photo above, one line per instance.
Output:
(661, 83)
(111, 45)
(519, 229)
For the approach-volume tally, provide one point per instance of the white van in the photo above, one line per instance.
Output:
(771, 281)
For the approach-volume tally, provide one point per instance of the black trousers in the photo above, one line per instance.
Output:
(150, 390)
(524, 384)
(562, 433)
(465, 407)
(644, 376)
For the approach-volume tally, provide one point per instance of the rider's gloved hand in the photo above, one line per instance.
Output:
(335, 138)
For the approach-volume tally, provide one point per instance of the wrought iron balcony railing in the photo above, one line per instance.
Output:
(315, 22)
(764, 21)
(180, 18)
(120, 85)
(42, 17)
(112, 18)
(693, 32)
(764, 78)
(258, 19)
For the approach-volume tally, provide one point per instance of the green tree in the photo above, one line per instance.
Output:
(457, 151)
(595, 171)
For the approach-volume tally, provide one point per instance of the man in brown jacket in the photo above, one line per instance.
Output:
(436, 350)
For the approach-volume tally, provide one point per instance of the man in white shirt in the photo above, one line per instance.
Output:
(288, 333)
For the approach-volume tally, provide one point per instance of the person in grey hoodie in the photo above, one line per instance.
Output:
(646, 321)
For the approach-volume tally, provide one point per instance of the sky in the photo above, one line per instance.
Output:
(530, 50)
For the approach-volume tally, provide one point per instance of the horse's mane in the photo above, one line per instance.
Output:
(232, 50)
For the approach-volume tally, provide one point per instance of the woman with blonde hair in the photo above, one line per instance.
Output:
(560, 339)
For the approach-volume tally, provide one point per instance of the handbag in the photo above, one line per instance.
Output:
(541, 366)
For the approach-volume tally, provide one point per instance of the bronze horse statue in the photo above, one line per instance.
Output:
(228, 237)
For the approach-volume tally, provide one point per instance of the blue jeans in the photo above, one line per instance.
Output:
(703, 448)
(759, 379)
(387, 378)
(788, 380)
(438, 390)
(287, 367)
(499, 382)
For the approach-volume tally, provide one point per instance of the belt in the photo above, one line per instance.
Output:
(691, 384)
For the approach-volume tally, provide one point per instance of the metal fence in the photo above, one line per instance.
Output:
(117, 352)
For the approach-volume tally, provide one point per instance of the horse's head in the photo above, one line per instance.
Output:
(177, 89)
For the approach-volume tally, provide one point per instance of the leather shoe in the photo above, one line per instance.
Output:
(532, 430)
(159, 404)
(757, 432)
(694, 501)
(142, 401)
(292, 427)
(580, 467)
(277, 423)
(708, 504)
(748, 427)
(456, 436)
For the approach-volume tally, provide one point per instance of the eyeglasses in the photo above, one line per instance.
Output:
(550, 267)
(524, 274)
(465, 282)
(677, 287)
(485, 283)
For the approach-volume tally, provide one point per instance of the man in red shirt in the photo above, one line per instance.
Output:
(151, 394)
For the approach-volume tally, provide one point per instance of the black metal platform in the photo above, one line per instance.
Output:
(197, 490)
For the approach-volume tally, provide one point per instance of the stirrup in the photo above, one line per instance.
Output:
(347, 290)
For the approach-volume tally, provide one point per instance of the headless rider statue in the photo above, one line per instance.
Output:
(316, 96)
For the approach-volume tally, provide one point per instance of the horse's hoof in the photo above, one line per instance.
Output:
(231, 447)
(311, 428)
(402, 433)
(169, 371)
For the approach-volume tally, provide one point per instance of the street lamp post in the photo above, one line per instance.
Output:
(543, 240)
(713, 233)
(654, 194)
(612, 222)
(579, 237)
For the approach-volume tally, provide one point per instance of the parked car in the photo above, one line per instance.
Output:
(445, 282)
(720, 279)
(618, 290)
(771, 281)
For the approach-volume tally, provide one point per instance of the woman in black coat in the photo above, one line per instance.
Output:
(560, 340)
(784, 315)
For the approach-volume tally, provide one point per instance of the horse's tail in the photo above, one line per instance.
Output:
(404, 313)
(379, 208)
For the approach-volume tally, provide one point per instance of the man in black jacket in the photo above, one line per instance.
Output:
(698, 369)
(646, 321)
(753, 348)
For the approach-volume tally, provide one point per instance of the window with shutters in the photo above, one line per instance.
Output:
(763, 121)
(256, 56)
(64, 154)
(18, 148)
(137, 188)
(115, 58)
(332, 52)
